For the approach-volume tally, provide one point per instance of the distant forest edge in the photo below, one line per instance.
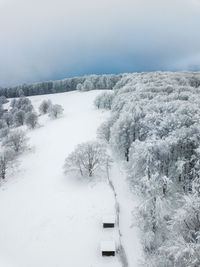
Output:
(91, 82)
(84, 83)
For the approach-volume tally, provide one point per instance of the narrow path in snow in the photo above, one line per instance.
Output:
(125, 203)
(121, 250)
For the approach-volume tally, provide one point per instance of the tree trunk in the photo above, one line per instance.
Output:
(127, 154)
(3, 174)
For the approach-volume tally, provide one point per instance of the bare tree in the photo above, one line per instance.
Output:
(55, 111)
(87, 158)
(31, 119)
(16, 140)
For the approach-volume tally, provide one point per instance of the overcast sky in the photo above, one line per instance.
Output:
(53, 39)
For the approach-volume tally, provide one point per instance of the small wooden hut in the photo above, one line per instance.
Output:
(108, 248)
(108, 221)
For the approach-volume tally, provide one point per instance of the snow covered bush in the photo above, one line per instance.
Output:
(45, 106)
(87, 159)
(31, 120)
(16, 140)
(55, 111)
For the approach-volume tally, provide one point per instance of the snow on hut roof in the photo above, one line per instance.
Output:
(108, 218)
(108, 245)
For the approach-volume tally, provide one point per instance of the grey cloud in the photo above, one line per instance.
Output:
(42, 40)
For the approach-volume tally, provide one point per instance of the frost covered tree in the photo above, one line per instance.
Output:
(22, 103)
(16, 140)
(156, 129)
(104, 131)
(1, 110)
(20, 108)
(45, 106)
(104, 100)
(65, 85)
(19, 117)
(55, 111)
(4, 132)
(86, 86)
(79, 87)
(31, 120)
(123, 134)
(8, 118)
(2, 124)
(181, 248)
(3, 100)
(87, 159)
(5, 159)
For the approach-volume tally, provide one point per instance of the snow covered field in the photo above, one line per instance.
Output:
(48, 219)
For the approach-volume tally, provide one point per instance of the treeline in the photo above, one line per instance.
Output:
(85, 83)
(92, 82)
(154, 128)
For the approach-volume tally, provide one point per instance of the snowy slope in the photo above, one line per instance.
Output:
(48, 219)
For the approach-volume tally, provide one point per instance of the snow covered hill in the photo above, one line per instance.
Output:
(48, 219)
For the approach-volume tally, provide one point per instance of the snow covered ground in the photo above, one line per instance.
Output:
(46, 218)
(130, 238)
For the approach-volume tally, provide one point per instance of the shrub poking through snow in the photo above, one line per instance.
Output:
(55, 111)
(87, 159)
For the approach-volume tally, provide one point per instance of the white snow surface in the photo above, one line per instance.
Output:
(48, 219)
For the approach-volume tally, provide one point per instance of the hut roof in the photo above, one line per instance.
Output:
(108, 245)
(108, 219)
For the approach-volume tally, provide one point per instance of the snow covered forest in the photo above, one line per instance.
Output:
(85, 83)
(154, 128)
(150, 122)
(90, 82)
